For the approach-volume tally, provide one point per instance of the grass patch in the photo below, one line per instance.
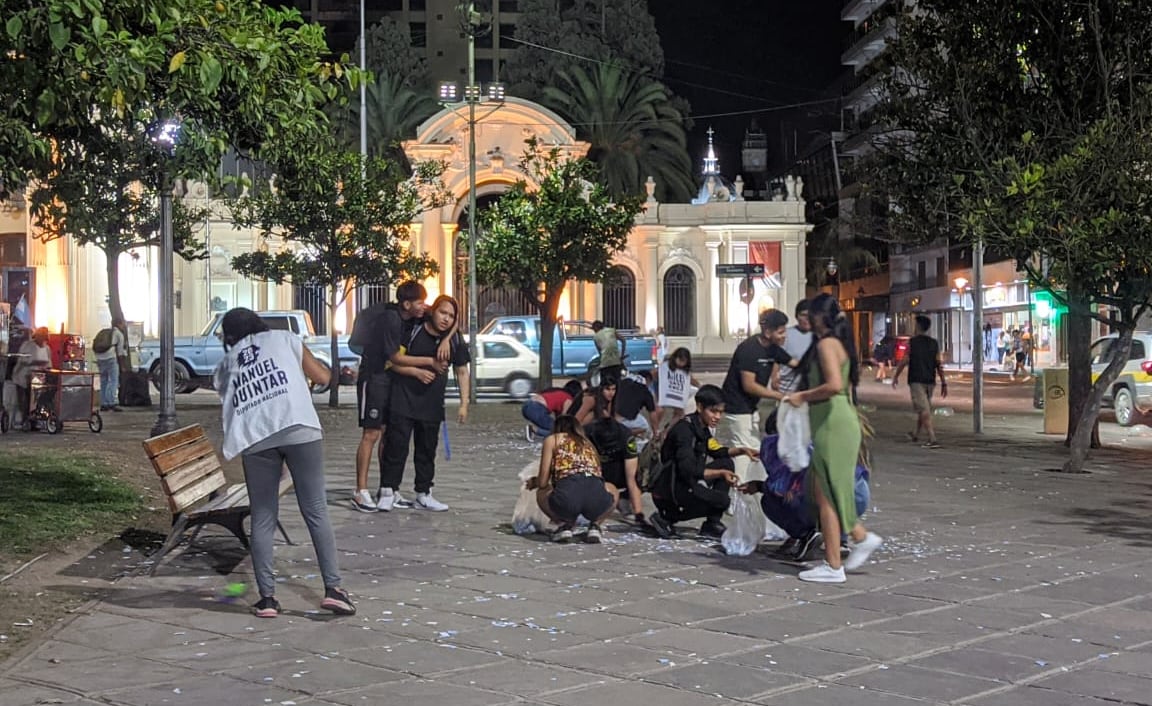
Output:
(49, 498)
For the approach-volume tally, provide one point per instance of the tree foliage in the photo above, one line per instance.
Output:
(634, 129)
(568, 227)
(390, 53)
(1025, 124)
(101, 193)
(340, 221)
(395, 111)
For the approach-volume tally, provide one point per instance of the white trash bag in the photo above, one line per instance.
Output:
(793, 446)
(527, 517)
(747, 527)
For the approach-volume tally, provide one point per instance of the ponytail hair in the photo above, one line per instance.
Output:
(826, 310)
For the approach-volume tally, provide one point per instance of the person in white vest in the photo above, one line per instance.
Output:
(269, 421)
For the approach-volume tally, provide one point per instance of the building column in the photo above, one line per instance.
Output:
(715, 309)
(794, 275)
(652, 286)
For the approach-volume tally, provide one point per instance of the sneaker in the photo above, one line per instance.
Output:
(401, 501)
(386, 500)
(712, 528)
(862, 550)
(530, 433)
(809, 544)
(788, 548)
(363, 501)
(823, 573)
(425, 501)
(563, 534)
(593, 536)
(337, 601)
(932, 445)
(664, 528)
(267, 607)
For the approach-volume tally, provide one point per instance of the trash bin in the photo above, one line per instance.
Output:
(1055, 400)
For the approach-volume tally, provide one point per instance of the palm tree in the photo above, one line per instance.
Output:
(825, 245)
(395, 110)
(633, 127)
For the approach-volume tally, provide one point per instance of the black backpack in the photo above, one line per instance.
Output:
(650, 467)
(103, 341)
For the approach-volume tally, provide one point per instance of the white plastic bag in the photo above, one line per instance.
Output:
(747, 528)
(795, 436)
(527, 517)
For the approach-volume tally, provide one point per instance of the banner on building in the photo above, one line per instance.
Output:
(767, 254)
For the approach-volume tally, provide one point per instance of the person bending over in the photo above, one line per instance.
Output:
(570, 483)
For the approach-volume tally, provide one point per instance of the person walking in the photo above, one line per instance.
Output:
(832, 373)
(746, 383)
(269, 421)
(417, 409)
(110, 346)
(924, 364)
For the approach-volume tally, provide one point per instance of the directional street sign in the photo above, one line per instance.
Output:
(732, 270)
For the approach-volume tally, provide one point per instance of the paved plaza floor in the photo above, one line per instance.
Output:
(1001, 583)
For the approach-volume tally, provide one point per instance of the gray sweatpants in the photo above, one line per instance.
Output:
(262, 471)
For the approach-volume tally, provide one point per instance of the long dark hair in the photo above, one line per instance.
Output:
(606, 407)
(240, 323)
(826, 310)
(680, 353)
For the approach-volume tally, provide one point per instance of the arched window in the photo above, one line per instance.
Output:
(680, 301)
(619, 300)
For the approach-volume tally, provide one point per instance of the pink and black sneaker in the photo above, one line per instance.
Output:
(337, 601)
(267, 607)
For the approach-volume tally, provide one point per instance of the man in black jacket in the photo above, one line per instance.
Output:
(697, 471)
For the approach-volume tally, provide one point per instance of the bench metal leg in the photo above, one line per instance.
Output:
(284, 534)
(179, 526)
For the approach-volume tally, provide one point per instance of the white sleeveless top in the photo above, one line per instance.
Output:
(263, 390)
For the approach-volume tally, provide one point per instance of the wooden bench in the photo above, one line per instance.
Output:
(193, 483)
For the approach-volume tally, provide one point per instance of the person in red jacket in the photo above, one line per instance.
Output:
(543, 407)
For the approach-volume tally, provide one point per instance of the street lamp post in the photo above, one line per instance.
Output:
(832, 268)
(961, 285)
(164, 136)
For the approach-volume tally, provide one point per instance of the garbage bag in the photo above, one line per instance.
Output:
(795, 439)
(747, 527)
(527, 517)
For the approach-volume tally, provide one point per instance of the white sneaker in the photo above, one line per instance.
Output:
(386, 500)
(863, 550)
(402, 501)
(823, 573)
(363, 501)
(425, 501)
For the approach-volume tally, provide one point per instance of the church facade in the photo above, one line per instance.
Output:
(665, 277)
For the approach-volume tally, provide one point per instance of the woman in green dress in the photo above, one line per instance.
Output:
(832, 372)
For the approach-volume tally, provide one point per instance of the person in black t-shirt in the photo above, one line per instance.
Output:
(923, 364)
(617, 447)
(633, 398)
(748, 381)
(417, 408)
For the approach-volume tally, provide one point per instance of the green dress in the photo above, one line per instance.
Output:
(836, 446)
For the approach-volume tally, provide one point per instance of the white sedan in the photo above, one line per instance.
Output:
(504, 364)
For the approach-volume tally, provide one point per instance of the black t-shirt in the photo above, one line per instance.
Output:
(615, 444)
(750, 356)
(923, 352)
(412, 398)
(379, 331)
(632, 395)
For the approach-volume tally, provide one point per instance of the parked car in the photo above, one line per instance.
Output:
(196, 356)
(1130, 396)
(506, 365)
(574, 353)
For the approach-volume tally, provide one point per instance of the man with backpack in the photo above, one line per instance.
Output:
(110, 347)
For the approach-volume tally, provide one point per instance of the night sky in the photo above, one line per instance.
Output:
(768, 52)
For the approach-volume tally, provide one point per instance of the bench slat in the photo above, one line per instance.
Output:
(172, 460)
(188, 474)
(235, 496)
(166, 442)
(192, 493)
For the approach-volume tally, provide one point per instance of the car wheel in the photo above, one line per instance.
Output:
(1124, 408)
(182, 383)
(518, 386)
(317, 388)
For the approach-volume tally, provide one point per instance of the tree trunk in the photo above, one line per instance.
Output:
(548, 333)
(112, 268)
(333, 351)
(1087, 424)
(1080, 369)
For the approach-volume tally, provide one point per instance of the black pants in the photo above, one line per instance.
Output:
(690, 502)
(425, 436)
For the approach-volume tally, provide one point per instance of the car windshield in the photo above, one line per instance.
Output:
(211, 326)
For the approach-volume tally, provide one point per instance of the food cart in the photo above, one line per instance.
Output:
(58, 396)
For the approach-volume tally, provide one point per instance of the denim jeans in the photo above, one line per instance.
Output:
(539, 416)
(109, 382)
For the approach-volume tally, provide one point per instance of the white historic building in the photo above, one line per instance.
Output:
(666, 275)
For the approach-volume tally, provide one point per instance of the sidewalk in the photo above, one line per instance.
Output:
(1001, 583)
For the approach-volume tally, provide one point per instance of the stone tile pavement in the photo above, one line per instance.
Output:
(1001, 583)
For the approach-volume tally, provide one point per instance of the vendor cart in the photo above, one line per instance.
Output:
(58, 396)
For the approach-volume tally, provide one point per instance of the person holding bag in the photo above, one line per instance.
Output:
(832, 372)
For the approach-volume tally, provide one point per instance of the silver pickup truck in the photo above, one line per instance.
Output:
(197, 356)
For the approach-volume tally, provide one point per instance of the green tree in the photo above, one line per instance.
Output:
(395, 111)
(343, 221)
(236, 73)
(621, 31)
(101, 193)
(567, 228)
(634, 130)
(1003, 118)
